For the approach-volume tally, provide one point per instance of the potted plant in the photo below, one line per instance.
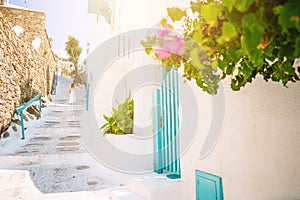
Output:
(121, 120)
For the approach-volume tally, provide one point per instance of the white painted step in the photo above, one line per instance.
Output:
(82, 195)
(155, 187)
(123, 194)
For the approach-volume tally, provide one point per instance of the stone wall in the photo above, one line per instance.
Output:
(27, 64)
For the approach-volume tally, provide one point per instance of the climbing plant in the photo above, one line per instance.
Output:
(239, 39)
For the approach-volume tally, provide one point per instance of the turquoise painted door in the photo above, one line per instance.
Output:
(208, 186)
(166, 125)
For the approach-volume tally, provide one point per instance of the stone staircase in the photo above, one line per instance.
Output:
(52, 163)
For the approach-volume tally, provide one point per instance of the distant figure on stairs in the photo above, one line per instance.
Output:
(72, 95)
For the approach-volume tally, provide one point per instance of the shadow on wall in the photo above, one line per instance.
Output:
(27, 92)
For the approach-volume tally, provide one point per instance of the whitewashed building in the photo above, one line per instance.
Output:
(255, 150)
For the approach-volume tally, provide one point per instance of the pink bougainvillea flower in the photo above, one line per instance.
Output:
(172, 46)
(164, 32)
(162, 53)
(175, 46)
(166, 26)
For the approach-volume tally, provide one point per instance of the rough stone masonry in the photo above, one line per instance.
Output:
(27, 63)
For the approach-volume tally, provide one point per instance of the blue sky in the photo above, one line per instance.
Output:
(63, 18)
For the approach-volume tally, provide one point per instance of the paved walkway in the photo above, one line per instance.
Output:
(51, 162)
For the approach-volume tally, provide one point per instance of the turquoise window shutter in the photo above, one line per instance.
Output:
(208, 186)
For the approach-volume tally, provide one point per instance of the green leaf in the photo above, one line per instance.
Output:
(277, 9)
(285, 51)
(176, 13)
(297, 47)
(243, 5)
(208, 42)
(247, 72)
(196, 6)
(115, 128)
(235, 17)
(253, 35)
(230, 69)
(197, 36)
(211, 11)
(104, 125)
(163, 22)
(229, 4)
(223, 64)
(289, 14)
(228, 31)
(196, 62)
(106, 118)
(149, 51)
(257, 57)
(248, 19)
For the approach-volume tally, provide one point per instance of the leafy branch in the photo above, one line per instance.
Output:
(235, 39)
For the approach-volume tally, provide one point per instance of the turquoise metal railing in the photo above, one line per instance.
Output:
(26, 105)
(87, 89)
(166, 125)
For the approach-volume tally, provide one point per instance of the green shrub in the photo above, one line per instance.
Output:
(121, 120)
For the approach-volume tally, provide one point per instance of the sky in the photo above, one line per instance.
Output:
(63, 18)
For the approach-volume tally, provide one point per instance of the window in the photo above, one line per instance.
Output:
(208, 186)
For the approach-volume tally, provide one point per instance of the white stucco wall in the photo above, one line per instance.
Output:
(129, 15)
(257, 155)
